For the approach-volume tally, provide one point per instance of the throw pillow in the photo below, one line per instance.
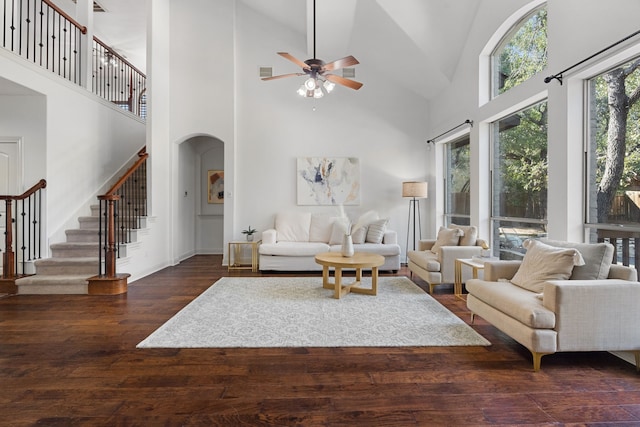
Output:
(359, 235)
(597, 259)
(470, 234)
(340, 226)
(446, 237)
(321, 228)
(293, 226)
(375, 231)
(542, 262)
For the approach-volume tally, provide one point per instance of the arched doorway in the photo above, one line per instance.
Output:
(201, 207)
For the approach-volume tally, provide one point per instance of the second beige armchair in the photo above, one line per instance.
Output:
(434, 262)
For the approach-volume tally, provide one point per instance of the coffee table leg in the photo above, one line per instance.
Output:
(374, 280)
(325, 277)
(338, 283)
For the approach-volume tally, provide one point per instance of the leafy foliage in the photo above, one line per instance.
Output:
(524, 52)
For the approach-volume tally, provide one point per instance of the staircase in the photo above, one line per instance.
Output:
(71, 263)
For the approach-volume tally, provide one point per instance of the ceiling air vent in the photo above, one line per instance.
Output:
(266, 72)
(348, 73)
(96, 6)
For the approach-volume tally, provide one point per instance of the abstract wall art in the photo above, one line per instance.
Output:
(328, 180)
(215, 186)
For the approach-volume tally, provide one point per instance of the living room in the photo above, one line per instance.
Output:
(205, 91)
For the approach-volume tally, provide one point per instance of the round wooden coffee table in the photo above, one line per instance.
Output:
(358, 261)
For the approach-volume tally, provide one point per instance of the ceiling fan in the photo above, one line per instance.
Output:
(320, 81)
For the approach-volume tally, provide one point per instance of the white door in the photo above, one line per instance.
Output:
(10, 171)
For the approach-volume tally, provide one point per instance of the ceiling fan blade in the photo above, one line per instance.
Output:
(294, 60)
(282, 76)
(347, 61)
(344, 82)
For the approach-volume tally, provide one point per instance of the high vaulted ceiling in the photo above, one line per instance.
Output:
(413, 43)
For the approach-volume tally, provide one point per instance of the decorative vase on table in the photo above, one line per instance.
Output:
(347, 245)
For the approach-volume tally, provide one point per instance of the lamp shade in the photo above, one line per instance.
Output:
(414, 189)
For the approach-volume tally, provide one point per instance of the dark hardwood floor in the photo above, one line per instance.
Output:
(71, 361)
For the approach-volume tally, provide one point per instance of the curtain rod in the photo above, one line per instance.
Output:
(559, 76)
(466, 122)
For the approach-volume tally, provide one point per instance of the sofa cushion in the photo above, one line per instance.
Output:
(470, 234)
(446, 237)
(514, 301)
(597, 259)
(294, 248)
(426, 260)
(372, 248)
(542, 262)
(293, 226)
(320, 228)
(375, 231)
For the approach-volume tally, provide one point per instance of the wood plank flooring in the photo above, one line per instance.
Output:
(72, 361)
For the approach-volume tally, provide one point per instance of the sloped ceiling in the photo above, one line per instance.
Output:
(413, 43)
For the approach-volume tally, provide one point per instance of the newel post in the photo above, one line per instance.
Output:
(9, 257)
(110, 283)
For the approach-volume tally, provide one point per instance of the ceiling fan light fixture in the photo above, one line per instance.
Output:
(329, 86)
(302, 90)
(311, 83)
(317, 93)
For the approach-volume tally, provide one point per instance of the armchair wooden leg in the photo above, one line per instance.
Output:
(473, 317)
(637, 354)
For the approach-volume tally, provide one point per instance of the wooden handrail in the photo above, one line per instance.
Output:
(81, 27)
(114, 53)
(142, 154)
(39, 185)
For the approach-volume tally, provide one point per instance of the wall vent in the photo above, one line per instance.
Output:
(266, 72)
(96, 6)
(348, 73)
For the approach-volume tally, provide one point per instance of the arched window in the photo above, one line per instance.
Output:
(521, 54)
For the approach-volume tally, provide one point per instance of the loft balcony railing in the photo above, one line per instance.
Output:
(42, 33)
(21, 218)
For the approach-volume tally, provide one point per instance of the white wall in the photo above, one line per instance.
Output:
(576, 29)
(24, 116)
(72, 139)
(381, 124)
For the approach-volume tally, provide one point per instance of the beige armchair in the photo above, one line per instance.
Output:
(438, 268)
(596, 309)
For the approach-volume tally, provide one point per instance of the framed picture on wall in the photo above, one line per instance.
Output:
(328, 180)
(215, 186)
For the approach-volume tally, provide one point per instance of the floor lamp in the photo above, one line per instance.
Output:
(416, 191)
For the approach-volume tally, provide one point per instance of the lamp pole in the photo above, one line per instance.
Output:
(416, 191)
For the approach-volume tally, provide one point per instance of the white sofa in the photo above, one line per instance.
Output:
(298, 236)
(589, 307)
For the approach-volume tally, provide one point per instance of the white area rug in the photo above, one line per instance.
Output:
(298, 312)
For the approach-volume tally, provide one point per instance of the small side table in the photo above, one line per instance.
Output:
(235, 252)
(475, 265)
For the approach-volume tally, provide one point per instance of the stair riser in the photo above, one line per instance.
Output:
(87, 236)
(53, 289)
(75, 252)
(52, 270)
(93, 223)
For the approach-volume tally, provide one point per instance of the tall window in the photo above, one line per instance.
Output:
(457, 203)
(521, 54)
(613, 196)
(519, 181)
